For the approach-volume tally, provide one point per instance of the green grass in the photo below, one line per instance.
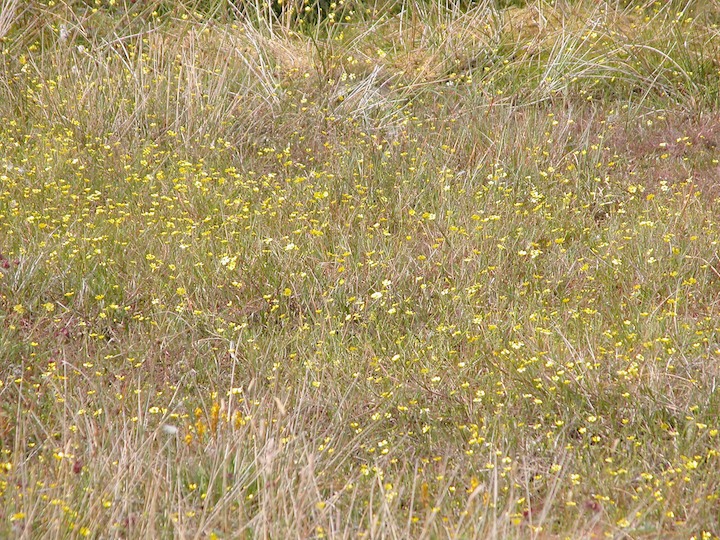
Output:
(419, 270)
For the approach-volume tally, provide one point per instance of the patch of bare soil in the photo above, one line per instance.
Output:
(674, 148)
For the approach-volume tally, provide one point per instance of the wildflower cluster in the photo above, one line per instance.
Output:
(433, 273)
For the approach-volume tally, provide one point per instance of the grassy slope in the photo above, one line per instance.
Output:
(426, 273)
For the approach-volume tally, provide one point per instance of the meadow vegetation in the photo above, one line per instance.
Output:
(402, 269)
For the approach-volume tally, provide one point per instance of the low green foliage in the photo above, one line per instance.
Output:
(424, 270)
